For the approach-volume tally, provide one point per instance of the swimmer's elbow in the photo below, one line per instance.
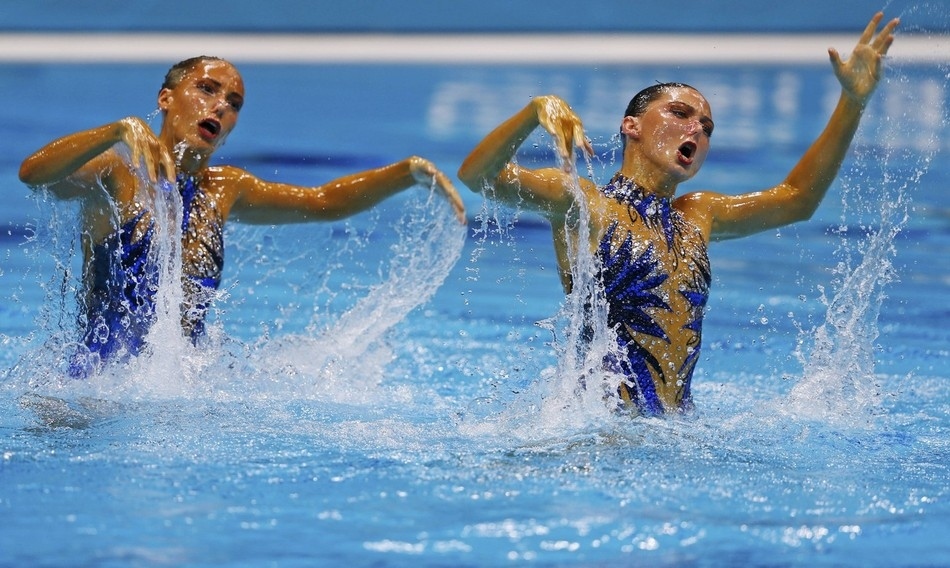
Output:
(35, 175)
(29, 175)
(479, 176)
(35, 179)
(805, 213)
(801, 210)
(798, 204)
(475, 181)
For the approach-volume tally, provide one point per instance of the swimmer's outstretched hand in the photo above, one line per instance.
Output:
(860, 74)
(557, 117)
(147, 150)
(425, 172)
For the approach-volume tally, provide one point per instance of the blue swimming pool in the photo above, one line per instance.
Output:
(398, 390)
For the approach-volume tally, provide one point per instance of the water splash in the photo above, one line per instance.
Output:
(318, 363)
(576, 393)
(838, 379)
(429, 243)
(839, 383)
(162, 369)
(581, 391)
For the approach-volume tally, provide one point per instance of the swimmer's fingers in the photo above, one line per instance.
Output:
(557, 117)
(860, 74)
(168, 165)
(880, 41)
(563, 137)
(146, 151)
(155, 160)
(129, 138)
(159, 161)
(135, 140)
(577, 140)
(581, 140)
(455, 200)
(424, 172)
(883, 40)
(869, 29)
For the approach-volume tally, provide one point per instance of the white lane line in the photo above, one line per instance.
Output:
(446, 49)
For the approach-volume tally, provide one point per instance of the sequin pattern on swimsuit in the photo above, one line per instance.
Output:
(635, 274)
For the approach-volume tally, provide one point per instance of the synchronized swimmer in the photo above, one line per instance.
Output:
(650, 246)
(200, 101)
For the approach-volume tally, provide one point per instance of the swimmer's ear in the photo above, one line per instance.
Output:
(630, 127)
(164, 99)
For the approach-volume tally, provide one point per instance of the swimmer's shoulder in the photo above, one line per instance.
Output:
(698, 206)
(227, 180)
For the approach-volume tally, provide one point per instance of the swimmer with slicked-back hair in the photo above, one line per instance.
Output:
(109, 168)
(650, 246)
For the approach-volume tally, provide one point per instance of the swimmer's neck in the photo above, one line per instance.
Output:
(189, 161)
(651, 177)
(648, 184)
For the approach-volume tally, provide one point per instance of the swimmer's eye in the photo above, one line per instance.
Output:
(708, 130)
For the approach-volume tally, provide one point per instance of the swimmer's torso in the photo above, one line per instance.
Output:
(655, 275)
(121, 278)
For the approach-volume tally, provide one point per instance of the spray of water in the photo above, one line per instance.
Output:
(353, 346)
(573, 395)
(838, 379)
(839, 383)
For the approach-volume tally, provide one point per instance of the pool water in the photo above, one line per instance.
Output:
(397, 389)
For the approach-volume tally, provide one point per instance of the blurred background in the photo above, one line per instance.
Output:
(452, 16)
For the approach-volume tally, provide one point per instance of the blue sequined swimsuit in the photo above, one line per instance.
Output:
(634, 284)
(123, 278)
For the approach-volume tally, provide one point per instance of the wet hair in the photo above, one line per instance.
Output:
(178, 71)
(639, 103)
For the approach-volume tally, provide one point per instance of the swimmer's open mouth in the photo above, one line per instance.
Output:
(212, 127)
(687, 150)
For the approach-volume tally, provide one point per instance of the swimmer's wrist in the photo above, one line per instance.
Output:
(859, 103)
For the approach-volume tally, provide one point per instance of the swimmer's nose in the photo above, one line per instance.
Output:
(700, 128)
(695, 127)
(221, 106)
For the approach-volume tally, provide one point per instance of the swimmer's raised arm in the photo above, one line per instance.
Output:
(54, 163)
(490, 163)
(259, 201)
(799, 195)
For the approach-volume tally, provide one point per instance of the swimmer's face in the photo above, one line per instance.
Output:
(673, 133)
(203, 108)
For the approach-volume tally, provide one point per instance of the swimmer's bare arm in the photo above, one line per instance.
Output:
(264, 202)
(67, 165)
(799, 195)
(547, 190)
